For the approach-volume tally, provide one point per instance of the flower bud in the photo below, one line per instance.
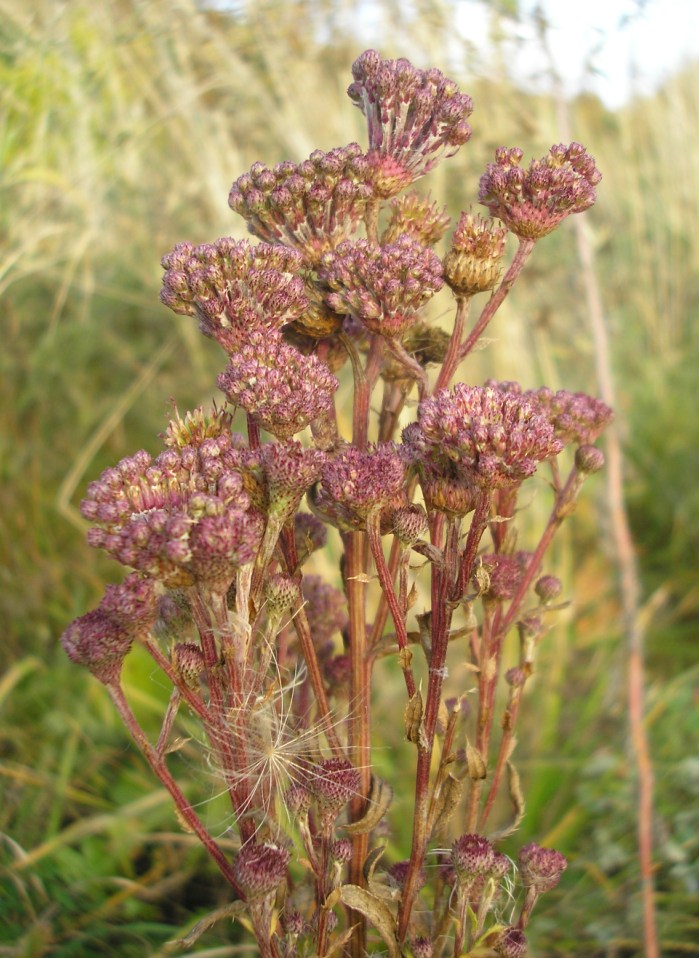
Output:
(259, 869)
(541, 868)
(472, 856)
(548, 587)
(589, 459)
(511, 943)
(188, 662)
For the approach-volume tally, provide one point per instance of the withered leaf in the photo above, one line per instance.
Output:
(377, 912)
(477, 769)
(380, 797)
(414, 728)
(447, 802)
(208, 921)
(517, 799)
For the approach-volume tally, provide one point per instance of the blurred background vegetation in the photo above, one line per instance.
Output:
(122, 126)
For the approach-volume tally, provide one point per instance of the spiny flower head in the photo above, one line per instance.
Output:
(472, 856)
(541, 868)
(182, 517)
(101, 639)
(362, 481)
(416, 217)
(384, 287)
(279, 387)
(532, 202)
(232, 287)
(414, 118)
(496, 437)
(311, 206)
(187, 660)
(259, 869)
(196, 426)
(282, 473)
(472, 265)
(332, 783)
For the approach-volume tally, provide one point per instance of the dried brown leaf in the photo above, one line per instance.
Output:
(380, 798)
(377, 912)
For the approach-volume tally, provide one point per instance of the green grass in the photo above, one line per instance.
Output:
(122, 126)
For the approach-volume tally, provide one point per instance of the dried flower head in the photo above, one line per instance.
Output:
(415, 216)
(384, 287)
(258, 869)
(279, 387)
(414, 118)
(356, 482)
(511, 943)
(532, 202)
(311, 206)
(180, 518)
(472, 265)
(495, 437)
(198, 425)
(541, 868)
(232, 287)
(502, 575)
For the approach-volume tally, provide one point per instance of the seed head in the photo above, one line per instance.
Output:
(414, 117)
(413, 215)
(279, 387)
(531, 203)
(384, 287)
(472, 265)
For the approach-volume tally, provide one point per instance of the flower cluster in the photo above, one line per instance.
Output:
(101, 639)
(384, 287)
(311, 206)
(180, 518)
(278, 386)
(233, 287)
(532, 202)
(496, 438)
(414, 118)
(358, 482)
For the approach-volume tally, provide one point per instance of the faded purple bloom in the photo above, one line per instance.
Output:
(311, 206)
(541, 868)
(310, 534)
(333, 782)
(472, 265)
(326, 609)
(414, 216)
(233, 287)
(533, 202)
(101, 639)
(180, 518)
(576, 417)
(511, 943)
(495, 437)
(384, 287)
(503, 574)
(283, 471)
(472, 856)
(198, 425)
(357, 482)
(341, 850)
(414, 118)
(259, 869)
(279, 387)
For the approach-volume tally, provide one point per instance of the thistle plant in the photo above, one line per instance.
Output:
(273, 665)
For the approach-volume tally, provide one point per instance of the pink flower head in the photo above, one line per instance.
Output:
(311, 206)
(333, 782)
(180, 518)
(233, 287)
(511, 943)
(289, 471)
(495, 437)
(384, 287)
(414, 117)
(259, 869)
(541, 868)
(357, 482)
(101, 639)
(472, 856)
(503, 574)
(533, 202)
(281, 389)
(576, 417)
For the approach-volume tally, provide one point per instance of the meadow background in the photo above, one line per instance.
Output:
(122, 126)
